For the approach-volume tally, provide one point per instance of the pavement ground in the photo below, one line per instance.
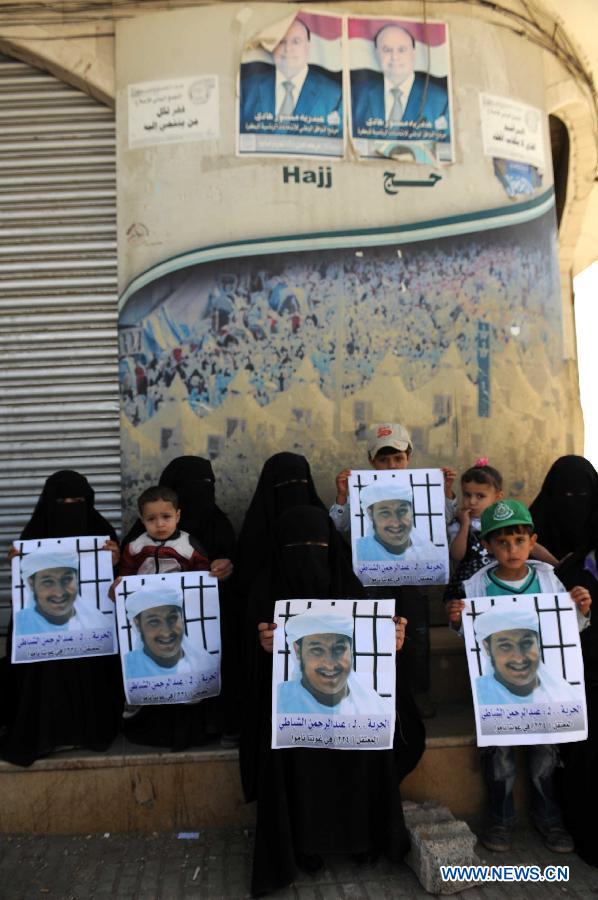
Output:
(215, 863)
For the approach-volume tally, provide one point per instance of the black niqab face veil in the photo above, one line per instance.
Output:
(285, 482)
(71, 499)
(69, 518)
(56, 515)
(291, 480)
(303, 536)
(565, 512)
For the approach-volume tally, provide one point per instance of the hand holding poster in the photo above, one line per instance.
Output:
(398, 531)
(333, 677)
(526, 669)
(169, 636)
(61, 608)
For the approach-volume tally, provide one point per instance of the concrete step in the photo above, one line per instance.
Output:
(129, 788)
(133, 788)
(217, 862)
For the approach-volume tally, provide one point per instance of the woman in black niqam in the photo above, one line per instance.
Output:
(69, 702)
(178, 726)
(578, 780)
(565, 512)
(285, 481)
(313, 802)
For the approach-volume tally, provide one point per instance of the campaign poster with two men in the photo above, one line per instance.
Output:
(293, 99)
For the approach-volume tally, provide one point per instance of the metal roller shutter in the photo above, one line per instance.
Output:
(59, 403)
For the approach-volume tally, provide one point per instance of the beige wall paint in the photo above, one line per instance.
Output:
(192, 195)
(215, 191)
(82, 54)
(483, 57)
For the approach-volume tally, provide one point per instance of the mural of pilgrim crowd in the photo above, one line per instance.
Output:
(266, 316)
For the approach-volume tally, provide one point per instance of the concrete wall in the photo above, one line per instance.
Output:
(82, 54)
(486, 55)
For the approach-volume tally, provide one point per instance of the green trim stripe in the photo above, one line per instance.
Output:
(483, 220)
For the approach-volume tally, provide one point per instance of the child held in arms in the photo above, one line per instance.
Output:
(163, 547)
(508, 534)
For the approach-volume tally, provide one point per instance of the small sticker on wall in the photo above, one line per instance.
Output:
(518, 179)
(173, 111)
(512, 130)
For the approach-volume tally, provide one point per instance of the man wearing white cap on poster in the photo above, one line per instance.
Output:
(160, 646)
(389, 447)
(389, 510)
(324, 682)
(53, 602)
(515, 672)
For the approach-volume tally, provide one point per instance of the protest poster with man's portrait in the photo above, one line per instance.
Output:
(398, 531)
(169, 637)
(61, 608)
(526, 669)
(400, 88)
(334, 674)
(291, 89)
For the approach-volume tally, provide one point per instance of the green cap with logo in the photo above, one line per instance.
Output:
(504, 513)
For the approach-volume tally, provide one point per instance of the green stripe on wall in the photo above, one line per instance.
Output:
(483, 220)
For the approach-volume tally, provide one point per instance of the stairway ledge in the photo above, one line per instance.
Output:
(452, 727)
(79, 760)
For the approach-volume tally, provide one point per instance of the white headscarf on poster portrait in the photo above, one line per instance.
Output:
(86, 614)
(149, 597)
(313, 621)
(509, 616)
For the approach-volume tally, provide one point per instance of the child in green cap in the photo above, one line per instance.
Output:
(508, 533)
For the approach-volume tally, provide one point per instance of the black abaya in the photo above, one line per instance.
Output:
(67, 702)
(285, 481)
(579, 778)
(316, 801)
(565, 512)
(178, 726)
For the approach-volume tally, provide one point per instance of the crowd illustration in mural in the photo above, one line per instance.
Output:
(342, 311)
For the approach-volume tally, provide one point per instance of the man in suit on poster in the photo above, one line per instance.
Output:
(290, 87)
(398, 97)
